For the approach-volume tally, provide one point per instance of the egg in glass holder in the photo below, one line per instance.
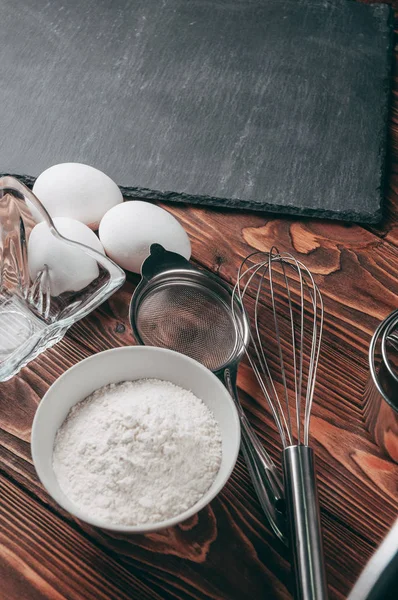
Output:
(32, 317)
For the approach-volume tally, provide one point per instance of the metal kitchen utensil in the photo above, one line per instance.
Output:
(286, 326)
(381, 392)
(182, 308)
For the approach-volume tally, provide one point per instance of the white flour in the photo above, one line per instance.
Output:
(137, 452)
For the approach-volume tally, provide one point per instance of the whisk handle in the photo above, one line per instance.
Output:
(262, 469)
(265, 479)
(305, 525)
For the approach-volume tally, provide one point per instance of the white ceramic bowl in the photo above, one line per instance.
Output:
(124, 364)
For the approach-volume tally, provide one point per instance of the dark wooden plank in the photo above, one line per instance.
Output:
(44, 557)
(352, 471)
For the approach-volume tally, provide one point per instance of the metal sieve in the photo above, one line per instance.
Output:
(182, 308)
(167, 316)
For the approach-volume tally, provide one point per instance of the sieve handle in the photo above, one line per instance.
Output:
(262, 469)
(160, 260)
(305, 524)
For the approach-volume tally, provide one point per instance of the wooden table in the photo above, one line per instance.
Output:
(227, 550)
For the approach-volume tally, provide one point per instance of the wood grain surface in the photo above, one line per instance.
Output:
(227, 551)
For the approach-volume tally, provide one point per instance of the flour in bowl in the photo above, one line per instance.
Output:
(137, 452)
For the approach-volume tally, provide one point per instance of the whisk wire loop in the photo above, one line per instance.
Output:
(255, 272)
(275, 256)
(262, 370)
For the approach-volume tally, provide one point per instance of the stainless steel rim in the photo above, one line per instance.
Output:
(381, 334)
(199, 280)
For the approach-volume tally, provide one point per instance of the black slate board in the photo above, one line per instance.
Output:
(262, 104)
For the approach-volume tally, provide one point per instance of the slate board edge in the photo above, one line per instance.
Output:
(232, 204)
(384, 145)
(137, 193)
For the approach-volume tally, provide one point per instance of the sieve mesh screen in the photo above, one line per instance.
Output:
(189, 319)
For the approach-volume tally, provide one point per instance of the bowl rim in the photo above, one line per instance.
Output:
(70, 507)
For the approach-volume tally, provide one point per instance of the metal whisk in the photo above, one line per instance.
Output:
(266, 281)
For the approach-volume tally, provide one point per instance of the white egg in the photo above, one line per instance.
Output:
(128, 230)
(70, 269)
(76, 191)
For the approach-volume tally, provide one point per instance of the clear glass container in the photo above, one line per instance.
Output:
(31, 318)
